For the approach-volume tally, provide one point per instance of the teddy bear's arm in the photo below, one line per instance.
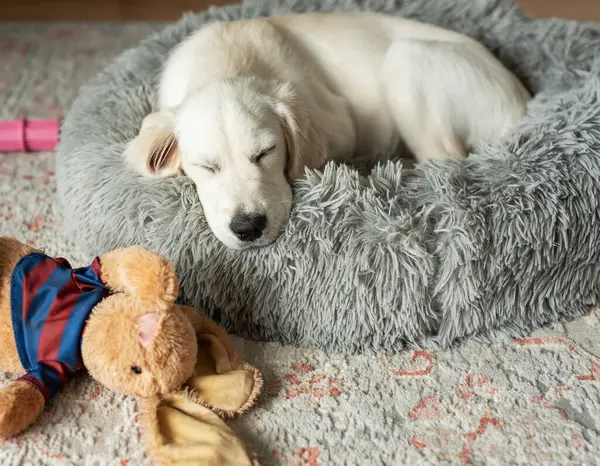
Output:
(20, 405)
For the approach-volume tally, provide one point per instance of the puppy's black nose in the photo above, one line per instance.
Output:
(248, 227)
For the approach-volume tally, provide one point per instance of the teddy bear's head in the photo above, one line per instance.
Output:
(137, 341)
(139, 351)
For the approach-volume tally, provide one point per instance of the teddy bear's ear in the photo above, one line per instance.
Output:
(147, 326)
(142, 274)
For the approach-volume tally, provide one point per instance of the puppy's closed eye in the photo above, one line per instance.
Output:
(261, 155)
(211, 168)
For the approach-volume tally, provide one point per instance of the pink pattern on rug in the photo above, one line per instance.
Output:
(422, 359)
(302, 381)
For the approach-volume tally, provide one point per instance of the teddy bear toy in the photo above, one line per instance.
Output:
(118, 319)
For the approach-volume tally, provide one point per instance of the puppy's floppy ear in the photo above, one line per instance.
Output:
(306, 145)
(155, 152)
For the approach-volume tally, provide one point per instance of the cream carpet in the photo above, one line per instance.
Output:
(534, 400)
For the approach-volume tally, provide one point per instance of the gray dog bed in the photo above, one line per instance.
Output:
(492, 246)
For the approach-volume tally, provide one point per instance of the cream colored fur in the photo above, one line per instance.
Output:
(246, 106)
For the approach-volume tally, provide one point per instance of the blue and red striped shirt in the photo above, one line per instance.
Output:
(50, 304)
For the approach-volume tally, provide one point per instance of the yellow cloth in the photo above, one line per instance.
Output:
(194, 435)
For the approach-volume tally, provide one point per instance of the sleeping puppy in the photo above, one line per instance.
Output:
(246, 106)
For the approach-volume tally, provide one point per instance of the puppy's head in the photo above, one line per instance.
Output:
(240, 142)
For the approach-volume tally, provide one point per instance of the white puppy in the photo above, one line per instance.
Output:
(245, 106)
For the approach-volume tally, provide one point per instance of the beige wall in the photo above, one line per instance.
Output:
(583, 10)
(163, 10)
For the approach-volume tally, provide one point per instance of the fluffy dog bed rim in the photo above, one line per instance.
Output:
(493, 246)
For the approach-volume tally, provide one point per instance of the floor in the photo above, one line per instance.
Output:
(528, 401)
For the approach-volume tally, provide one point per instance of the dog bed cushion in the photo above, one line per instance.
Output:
(494, 245)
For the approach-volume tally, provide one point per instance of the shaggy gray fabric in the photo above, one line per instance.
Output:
(503, 242)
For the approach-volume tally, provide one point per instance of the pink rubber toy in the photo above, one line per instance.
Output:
(28, 135)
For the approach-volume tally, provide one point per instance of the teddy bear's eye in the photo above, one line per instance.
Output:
(136, 369)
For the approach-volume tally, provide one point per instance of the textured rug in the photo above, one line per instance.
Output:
(534, 400)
